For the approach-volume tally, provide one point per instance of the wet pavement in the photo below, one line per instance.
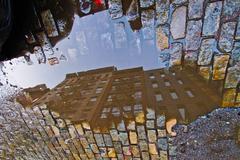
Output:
(213, 136)
(118, 79)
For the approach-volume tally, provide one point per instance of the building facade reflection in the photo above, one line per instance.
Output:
(107, 95)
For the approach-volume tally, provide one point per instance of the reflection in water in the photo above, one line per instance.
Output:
(127, 113)
(107, 95)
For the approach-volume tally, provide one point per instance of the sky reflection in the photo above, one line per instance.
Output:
(95, 41)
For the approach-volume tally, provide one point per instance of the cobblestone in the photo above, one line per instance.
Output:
(190, 58)
(178, 23)
(206, 51)
(235, 57)
(162, 37)
(193, 37)
(212, 18)
(195, 9)
(162, 11)
(225, 42)
(233, 77)
(176, 54)
(231, 9)
(178, 2)
(237, 36)
(39, 133)
(205, 71)
(220, 66)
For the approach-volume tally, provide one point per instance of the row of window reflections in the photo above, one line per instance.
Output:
(173, 95)
(116, 111)
(166, 83)
(162, 75)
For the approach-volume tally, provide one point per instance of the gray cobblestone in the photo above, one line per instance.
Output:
(162, 11)
(231, 8)
(206, 51)
(212, 18)
(193, 37)
(226, 37)
(195, 9)
(176, 54)
(178, 23)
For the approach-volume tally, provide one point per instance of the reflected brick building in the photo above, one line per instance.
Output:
(31, 95)
(181, 93)
(107, 95)
(77, 98)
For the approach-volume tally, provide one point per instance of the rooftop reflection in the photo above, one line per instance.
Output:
(107, 95)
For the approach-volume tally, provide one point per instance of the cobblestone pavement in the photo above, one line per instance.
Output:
(200, 33)
(41, 134)
(38, 133)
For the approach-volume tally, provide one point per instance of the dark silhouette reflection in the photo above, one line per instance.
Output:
(31, 18)
(44, 23)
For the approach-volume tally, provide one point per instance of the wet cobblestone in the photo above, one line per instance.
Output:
(195, 9)
(193, 37)
(178, 23)
(162, 11)
(42, 134)
(212, 18)
(226, 37)
(206, 51)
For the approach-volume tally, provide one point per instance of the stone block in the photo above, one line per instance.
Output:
(108, 140)
(152, 137)
(89, 136)
(162, 11)
(193, 37)
(231, 9)
(176, 54)
(126, 151)
(235, 57)
(133, 137)
(205, 71)
(229, 98)
(141, 132)
(163, 144)
(152, 149)
(220, 66)
(150, 113)
(135, 151)
(237, 35)
(161, 120)
(111, 153)
(212, 18)
(131, 125)
(145, 156)
(123, 136)
(190, 58)
(206, 51)
(99, 140)
(118, 147)
(226, 39)
(150, 124)
(114, 134)
(195, 9)
(143, 145)
(163, 155)
(162, 37)
(233, 77)
(178, 23)
(162, 133)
